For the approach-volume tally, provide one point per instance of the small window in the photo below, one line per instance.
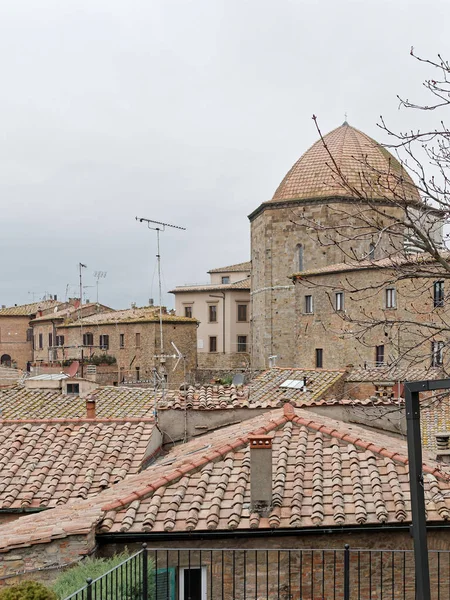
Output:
(213, 343)
(212, 308)
(242, 313)
(41, 341)
(138, 373)
(104, 342)
(339, 301)
(300, 257)
(242, 343)
(390, 298)
(29, 335)
(226, 279)
(437, 354)
(438, 293)
(379, 355)
(319, 358)
(59, 340)
(73, 388)
(308, 305)
(372, 251)
(88, 339)
(50, 340)
(138, 340)
(122, 340)
(188, 311)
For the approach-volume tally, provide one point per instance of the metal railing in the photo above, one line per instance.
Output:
(263, 574)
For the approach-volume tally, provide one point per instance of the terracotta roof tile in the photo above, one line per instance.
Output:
(237, 268)
(242, 284)
(26, 310)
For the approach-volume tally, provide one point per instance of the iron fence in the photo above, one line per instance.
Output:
(263, 574)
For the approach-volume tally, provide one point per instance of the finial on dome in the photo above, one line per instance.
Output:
(345, 121)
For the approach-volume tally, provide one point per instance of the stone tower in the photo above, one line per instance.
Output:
(283, 241)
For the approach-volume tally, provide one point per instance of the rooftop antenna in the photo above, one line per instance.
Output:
(99, 275)
(158, 226)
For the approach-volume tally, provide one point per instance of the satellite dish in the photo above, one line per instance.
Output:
(72, 370)
(238, 379)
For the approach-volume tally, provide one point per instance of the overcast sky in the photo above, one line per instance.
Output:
(183, 111)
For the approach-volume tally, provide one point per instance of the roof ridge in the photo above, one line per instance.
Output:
(81, 420)
(194, 465)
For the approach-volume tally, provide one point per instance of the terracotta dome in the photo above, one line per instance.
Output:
(365, 164)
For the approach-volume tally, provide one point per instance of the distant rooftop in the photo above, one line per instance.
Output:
(238, 268)
(242, 284)
(145, 314)
(25, 310)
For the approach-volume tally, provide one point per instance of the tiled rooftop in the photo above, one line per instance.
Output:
(325, 474)
(70, 311)
(9, 376)
(242, 284)
(147, 314)
(394, 373)
(26, 310)
(45, 463)
(238, 268)
(365, 164)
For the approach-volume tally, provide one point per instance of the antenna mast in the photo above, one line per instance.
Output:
(159, 227)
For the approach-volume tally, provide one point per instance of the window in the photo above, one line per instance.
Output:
(390, 298)
(371, 251)
(193, 583)
(59, 340)
(165, 586)
(226, 279)
(437, 354)
(242, 313)
(188, 311)
(104, 342)
(41, 341)
(212, 308)
(308, 305)
(300, 257)
(29, 335)
(88, 339)
(50, 340)
(242, 343)
(438, 293)
(319, 358)
(379, 356)
(73, 388)
(122, 340)
(138, 340)
(138, 373)
(213, 343)
(339, 301)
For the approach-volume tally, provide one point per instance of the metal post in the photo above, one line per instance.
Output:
(419, 525)
(89, 589)
(144, 572)
(347, 572)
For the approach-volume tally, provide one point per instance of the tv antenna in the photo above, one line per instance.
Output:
(158, 226)
(99, 275)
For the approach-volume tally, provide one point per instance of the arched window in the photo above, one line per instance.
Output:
(5, 360)
(300, 266)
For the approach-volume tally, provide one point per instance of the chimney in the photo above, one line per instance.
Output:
(90, 407)
(260, 471)
(443, 446)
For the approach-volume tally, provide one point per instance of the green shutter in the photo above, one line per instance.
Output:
(165, 584)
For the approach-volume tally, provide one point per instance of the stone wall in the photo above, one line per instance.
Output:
(13, 340)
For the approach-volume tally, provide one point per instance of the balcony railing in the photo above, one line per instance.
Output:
(260, 574)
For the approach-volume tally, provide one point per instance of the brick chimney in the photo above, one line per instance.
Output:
(90, 407)
(260, 471)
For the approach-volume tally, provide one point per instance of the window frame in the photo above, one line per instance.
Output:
(103, 341)
(73, 392)
(88, 337)
(300, 258)
(372, 248)
(225, 279)
(242, 346)
(339, 301)
(438, 293)
(319, 358)
(308, 303)
(212, 307)
(137, 339)
(204, 580)
(212, 337)
(245, 307)
(390, 298)
(188, 309)
(121, 340)
(41, 341)
(437, 353)
(378, 353)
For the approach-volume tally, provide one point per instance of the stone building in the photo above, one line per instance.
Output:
(283, 241)
(132, 337)
(16, 335)
(222, 309)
